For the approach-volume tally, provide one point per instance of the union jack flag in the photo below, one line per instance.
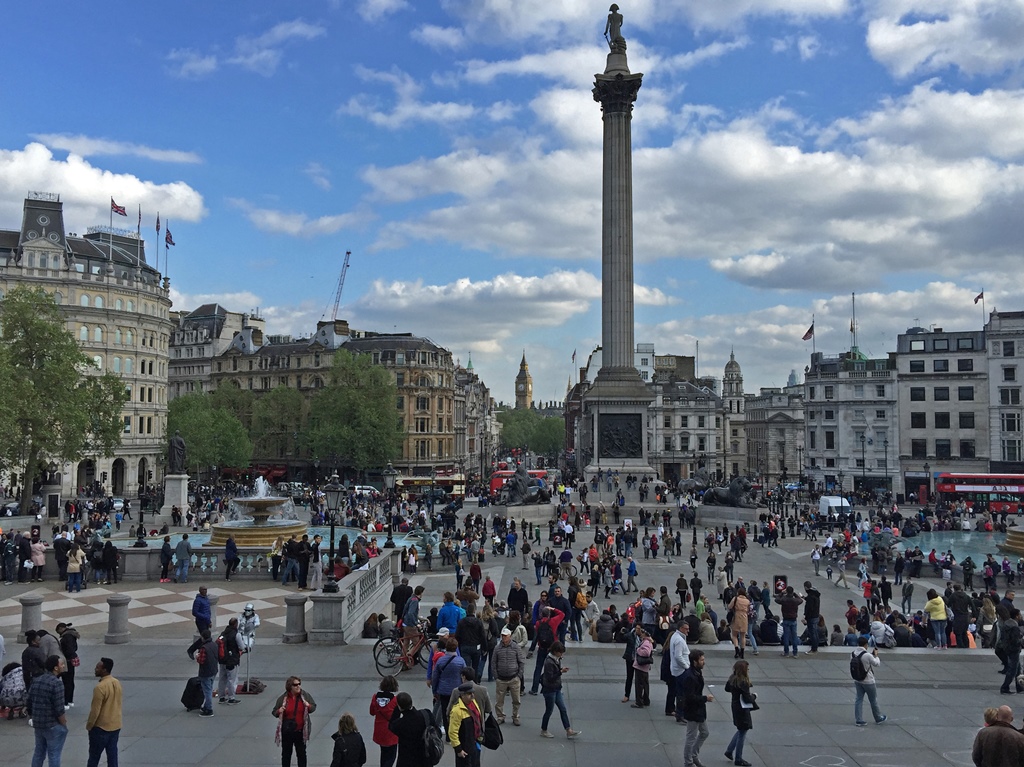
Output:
(158, 223)
(167, 237)
(119, 210)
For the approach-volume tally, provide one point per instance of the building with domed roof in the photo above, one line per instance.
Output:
(734, 434)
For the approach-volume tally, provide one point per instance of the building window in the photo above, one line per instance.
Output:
(1009, 422)
(917, 366)
(1011, 450)
(918, 448)
(860, 463)
(941, 394)
(880, 415)
(965, 343)
(965, 393)
(830, 392)
(701, 444)
(942, 420)
(1009, 396)
(918, 421)
(83, 333)
(940, 366)
(941, 345)
(917, 346)
(127, 424)
(1007, 348)
(684, 421)
(917, 394)
(858, 415)
(964, 366)
(97, 335)
(830, 463)
(830, 440)
(667, 422)
(400, 379)
(810, 392)
(668, 444)
(700, 421)
(830, 415)
(83, 300)
(967, 448)
(880, 390)
(400, 402)
(423, 403)
(812, 439)
(858, 391)
(1010, 373)
(966, 420)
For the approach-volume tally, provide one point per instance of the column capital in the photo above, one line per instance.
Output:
(616, 93)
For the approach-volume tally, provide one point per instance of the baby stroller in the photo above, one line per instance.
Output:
(13, 693)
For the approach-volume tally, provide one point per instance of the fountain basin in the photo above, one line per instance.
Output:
(259, 521)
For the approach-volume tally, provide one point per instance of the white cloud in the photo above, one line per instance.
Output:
(808, 46)
(319, 175)
(944, 124)
(295, 224)
(439, 38)
(375, 10)
(920, 36)
(407, 107)
(191, 65)
(710, 52)
(87, 146)
(86, 189)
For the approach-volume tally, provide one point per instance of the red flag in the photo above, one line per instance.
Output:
(810, 333)
(158, 223)
(167, 237)
(115, 208)
(979, 297)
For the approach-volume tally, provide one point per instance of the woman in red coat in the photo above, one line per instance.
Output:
(382, 706)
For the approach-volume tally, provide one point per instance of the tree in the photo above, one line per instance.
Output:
(526, 428)
(276, 417)
(64, 409)
(354, 416)
(213, 436)
(238, 402)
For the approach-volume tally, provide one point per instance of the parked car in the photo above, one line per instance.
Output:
(118, 504)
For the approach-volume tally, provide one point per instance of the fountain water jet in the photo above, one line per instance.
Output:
(258, 520)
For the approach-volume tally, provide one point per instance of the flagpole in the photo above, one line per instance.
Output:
(138, 243)
(814, 340)
(853, 323)
(983, 315)
(110, 233)
(167, 263)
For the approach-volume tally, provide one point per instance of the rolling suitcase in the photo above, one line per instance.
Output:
(192, 698)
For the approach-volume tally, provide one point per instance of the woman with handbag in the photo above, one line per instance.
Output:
(743, 702)
(292, 710)
(642, 662)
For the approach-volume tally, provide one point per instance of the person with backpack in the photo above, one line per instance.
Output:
(545, 634)
(1010, 642)
(418, 735)
(204, 652)
(466, 728)
(229, 655)
(862, 666)
(446, 676)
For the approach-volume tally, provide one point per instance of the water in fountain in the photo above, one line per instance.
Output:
(258, 519)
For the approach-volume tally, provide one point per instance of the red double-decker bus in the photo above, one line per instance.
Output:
(983, 492)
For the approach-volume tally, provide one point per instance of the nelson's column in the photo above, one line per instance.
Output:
(615, 406)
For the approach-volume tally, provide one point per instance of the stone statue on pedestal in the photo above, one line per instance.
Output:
(176, 455)
(613, 29)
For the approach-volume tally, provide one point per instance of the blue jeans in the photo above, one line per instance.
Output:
(291, 567)
(49, 744)
(1010, 677)
(100, 741)
(858, 707)
(735, 746)
(812, 631)
(75, 581)
(470, 654)
(206, 682)
(552, 699)
(541, 655)
(939, 629)
(789, 636)
(181, 572)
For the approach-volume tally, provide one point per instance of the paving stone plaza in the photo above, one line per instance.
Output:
(934, 699)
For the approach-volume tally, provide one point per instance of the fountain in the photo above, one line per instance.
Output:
(257, 520)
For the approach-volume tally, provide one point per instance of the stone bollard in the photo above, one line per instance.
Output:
(295, 619)
(31, 614)
(117, 620)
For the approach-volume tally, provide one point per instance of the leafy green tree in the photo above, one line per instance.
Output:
(239, 402)
(213, 436)
(526, 428)
(354, 415)
(276, 417)
(548, 436)
(64, 409)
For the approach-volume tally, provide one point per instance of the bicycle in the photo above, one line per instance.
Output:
(396, 653)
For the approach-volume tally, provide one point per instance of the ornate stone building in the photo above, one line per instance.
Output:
(524, 386)
(198, 337)
(117, 306)
(734, 436)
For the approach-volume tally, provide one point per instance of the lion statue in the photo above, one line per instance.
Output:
(737, 494)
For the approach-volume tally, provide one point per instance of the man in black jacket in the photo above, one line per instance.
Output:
(204, 651)
(409, 725)
(399, 596)
(812, 610)
(695, 709)
(470, 633)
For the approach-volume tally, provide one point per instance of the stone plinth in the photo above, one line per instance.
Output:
(295, 619)
(328, 619)
(31, 615)
(175, 493)
(117, 620)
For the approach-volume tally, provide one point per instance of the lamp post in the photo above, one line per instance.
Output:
(433, 478)
(840, 483)
(334, 491)
(390, 477)
(316, 473)
(885, 444)
(928, 475)
(863, 465)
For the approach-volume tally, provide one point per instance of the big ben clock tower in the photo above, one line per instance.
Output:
(524, 386)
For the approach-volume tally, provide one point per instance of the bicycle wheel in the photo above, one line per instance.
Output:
(423, 655)
(387, 655)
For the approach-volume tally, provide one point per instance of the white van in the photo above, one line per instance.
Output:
(832, 505)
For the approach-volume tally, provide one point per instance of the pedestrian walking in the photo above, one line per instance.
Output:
(862, 669)
(292, 709)
(382, 709)
(46, 702)
(349, 749)
(998, 743)
(509, 664)
(743, 702)
(104, 721)
(409, 724)
(695, 709)
(204, 652)
(551, 687)
(466, 728)
(643, 660)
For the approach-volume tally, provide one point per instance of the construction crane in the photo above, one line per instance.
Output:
(341, 285)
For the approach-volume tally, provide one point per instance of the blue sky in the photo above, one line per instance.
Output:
(787, 153)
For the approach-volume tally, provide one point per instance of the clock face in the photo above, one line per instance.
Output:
(521, 387)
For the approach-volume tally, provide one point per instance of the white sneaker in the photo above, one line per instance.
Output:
(69, 705)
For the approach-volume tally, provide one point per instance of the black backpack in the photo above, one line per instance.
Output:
(545, 634)
(433, 741)
(857, 669)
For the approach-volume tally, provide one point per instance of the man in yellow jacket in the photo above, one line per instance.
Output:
(104, 722)
(466, 728)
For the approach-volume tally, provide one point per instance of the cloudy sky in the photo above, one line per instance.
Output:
(787, 153)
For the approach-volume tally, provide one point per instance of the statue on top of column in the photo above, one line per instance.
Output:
(613, 29)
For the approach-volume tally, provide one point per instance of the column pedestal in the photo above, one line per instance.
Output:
(295, 619)
(175, 493)
(31, 615)
(117, 620)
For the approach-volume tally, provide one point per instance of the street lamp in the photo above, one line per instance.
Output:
(316, 473)
(928, 475)
(885, 444)
(390, 477)
(335, 492)
(863, 465)
(840, 483)
(433, 478)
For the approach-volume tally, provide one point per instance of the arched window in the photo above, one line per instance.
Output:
(119, 304)
(83, 333)
(84, 300)
(128, 365)
(117, 364)
(99, 302)
(58, 297)
(131, 305)
(98, 361)
(97, 335)
(43, 261)
(117, 336)
(128, 337)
